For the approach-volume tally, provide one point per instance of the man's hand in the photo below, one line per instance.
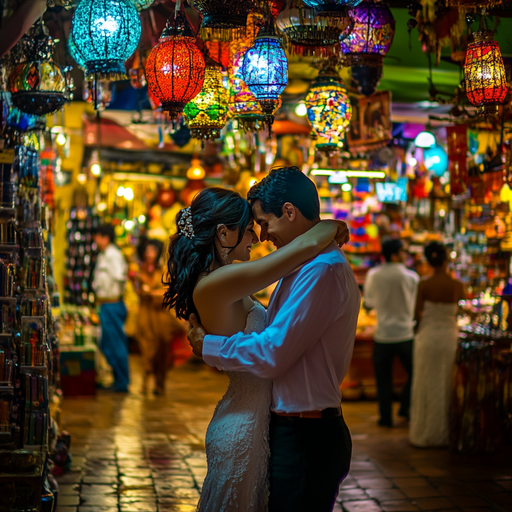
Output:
(196, 334)
(343, 235)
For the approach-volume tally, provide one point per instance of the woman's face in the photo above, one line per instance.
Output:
(242, 252)
(151, 254)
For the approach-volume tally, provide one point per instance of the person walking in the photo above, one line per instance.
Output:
(391, 290)
(156, 326)
(435, 347)
(109, 282)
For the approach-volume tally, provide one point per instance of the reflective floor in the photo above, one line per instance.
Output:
(141, 453)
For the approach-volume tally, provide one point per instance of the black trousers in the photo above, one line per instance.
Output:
(308, 460)
(383, 356)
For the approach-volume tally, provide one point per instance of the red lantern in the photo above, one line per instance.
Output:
(165, 197)
(175, 67)
(192, 188)
(486, 80)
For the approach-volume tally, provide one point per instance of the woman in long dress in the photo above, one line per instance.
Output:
(435, 346)
(216, 230)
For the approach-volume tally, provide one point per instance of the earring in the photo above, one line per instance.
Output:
(224, 253)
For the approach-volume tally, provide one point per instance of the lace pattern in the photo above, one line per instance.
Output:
(237, 447)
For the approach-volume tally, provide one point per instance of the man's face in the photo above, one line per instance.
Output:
(102, 242)
(275, 229)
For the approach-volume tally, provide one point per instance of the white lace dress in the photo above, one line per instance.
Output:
(435, 346)
(237, 448)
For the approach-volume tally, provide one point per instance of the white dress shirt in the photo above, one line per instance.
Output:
(391, 290)
(110, 274)
(307, 348)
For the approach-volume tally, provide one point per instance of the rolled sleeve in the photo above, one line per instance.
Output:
(211, 350)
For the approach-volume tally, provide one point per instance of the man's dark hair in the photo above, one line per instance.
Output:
(390, 247)
(107, 230)
(286, 185)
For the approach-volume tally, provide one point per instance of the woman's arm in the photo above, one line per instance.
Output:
(234, 282)
(419, 305)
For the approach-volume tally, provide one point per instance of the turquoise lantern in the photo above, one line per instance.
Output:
(104, 35)
(436, 160)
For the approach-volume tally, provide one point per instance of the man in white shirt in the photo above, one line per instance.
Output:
(109, 282)
(391, 290)
(306, 351)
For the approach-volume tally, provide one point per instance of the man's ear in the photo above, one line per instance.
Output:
(289, 211)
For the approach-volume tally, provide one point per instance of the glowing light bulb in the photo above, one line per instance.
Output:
(102, 206)
(96, 169)
(425, 140)
(81, 178)
(346, 187)
(442, 213)
(128, 194)
(253, 182)
(128, 225)
(142, 219)
(453, 255)
(61, 139)
(120, 191)
(301, 110)
(196, 171)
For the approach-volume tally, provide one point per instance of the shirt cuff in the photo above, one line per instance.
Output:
(211, 350)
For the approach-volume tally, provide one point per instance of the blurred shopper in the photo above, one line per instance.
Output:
(434, 351)
(109, 283)
(156, 326)
(391, 289)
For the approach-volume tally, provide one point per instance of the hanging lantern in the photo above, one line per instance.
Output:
(335, 10)
(105, 35)
(175, 67)
(140, 5)
(265, 70)
(486, 80)
(457, 139)
(207, 113)
(365, 47)
(329, 110)
(474, 5)
(306, 34)
(223, 20)
(38, 85)
(219, 52)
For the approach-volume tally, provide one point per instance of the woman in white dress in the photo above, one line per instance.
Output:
(435, 346)
(216, 230)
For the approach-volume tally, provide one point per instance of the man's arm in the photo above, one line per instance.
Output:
(368, 291)
(315, 301)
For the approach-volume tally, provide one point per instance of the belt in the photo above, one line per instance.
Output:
(108, 300)
(331, 412)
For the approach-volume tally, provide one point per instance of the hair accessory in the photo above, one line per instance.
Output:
(185, 223)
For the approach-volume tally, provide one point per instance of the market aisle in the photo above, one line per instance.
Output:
(145, 454)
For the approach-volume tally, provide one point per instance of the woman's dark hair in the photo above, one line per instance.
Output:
(390, 247)
(286, 185)
(191, 257)
(435, 253)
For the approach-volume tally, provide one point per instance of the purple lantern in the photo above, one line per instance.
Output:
(365, 47)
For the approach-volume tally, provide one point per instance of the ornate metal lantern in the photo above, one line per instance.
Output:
(335, 10)
(207, 113)
(329, 109)
(140, 5)
(307, 34)
(105, 35)
(175, 67)
(265, 70)
(486, 80)
(365, 47)
(38, 85)
(223, 19)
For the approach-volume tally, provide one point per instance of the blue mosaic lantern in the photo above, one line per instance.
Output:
(332, 9)
(265, 70)
(105, 34)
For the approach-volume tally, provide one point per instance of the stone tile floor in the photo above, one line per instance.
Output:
(135, 453)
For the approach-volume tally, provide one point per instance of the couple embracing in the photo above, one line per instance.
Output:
(277, 441)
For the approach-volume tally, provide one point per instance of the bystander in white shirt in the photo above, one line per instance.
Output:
(391, 290)
(110, 274)
(307, 348)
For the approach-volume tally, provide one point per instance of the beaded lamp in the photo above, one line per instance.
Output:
(37, 84)
(307, 34)
(484, 72)
(207, 113)
(175, 67)
(329, 110)
(223, 20)
(265, 70)
(335, 10)
(105, 35)
(365, 47)
(140, 5)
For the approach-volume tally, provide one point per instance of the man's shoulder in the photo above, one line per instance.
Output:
(329, 260)
(411, 274)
